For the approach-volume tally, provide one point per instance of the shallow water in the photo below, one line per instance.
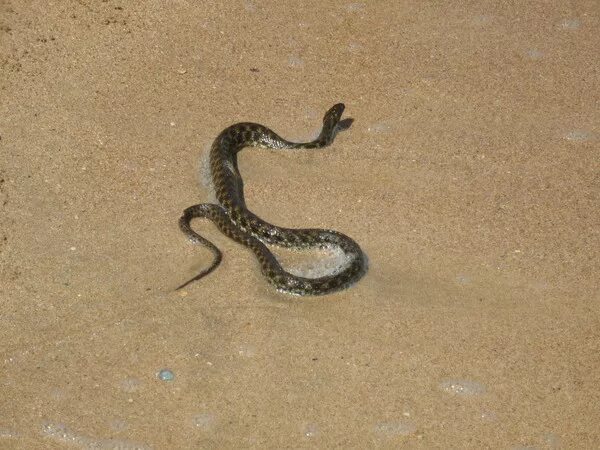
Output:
(468, 178)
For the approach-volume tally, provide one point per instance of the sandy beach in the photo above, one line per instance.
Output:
(469, 177)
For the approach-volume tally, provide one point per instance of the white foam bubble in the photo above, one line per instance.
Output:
(130, 384)
(488, 416)
(204, 421)
(310, 430)
(118, 425)
(61, 433)
(295, 61)
(570, 24)
(7, 433)
(380, 127)
(391, 429)
(578, 136)
(353, 7)
(354, 46)
(551, 440)
(534, 53)
(247, 350)
(482, 19)
(463, 279)
(462, 387)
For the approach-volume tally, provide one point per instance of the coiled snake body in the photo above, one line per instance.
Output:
(234, 220)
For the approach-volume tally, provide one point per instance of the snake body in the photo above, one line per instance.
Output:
(235, 221)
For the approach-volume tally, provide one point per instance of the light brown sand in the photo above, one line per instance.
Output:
(470, 178)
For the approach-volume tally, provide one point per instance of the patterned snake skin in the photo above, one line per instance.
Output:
(234, 220)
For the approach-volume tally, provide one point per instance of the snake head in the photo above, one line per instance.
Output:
(333, 116)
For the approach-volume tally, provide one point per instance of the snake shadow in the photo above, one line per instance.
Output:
(344, 124)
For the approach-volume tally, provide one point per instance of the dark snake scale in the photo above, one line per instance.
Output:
(234, 220)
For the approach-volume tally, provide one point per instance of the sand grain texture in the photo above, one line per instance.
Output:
(469, 177)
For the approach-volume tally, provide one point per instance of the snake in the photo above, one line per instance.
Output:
(233, 219)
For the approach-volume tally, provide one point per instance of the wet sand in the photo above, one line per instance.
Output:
(469, 178)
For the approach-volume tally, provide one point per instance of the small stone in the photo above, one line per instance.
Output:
(165, 375)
